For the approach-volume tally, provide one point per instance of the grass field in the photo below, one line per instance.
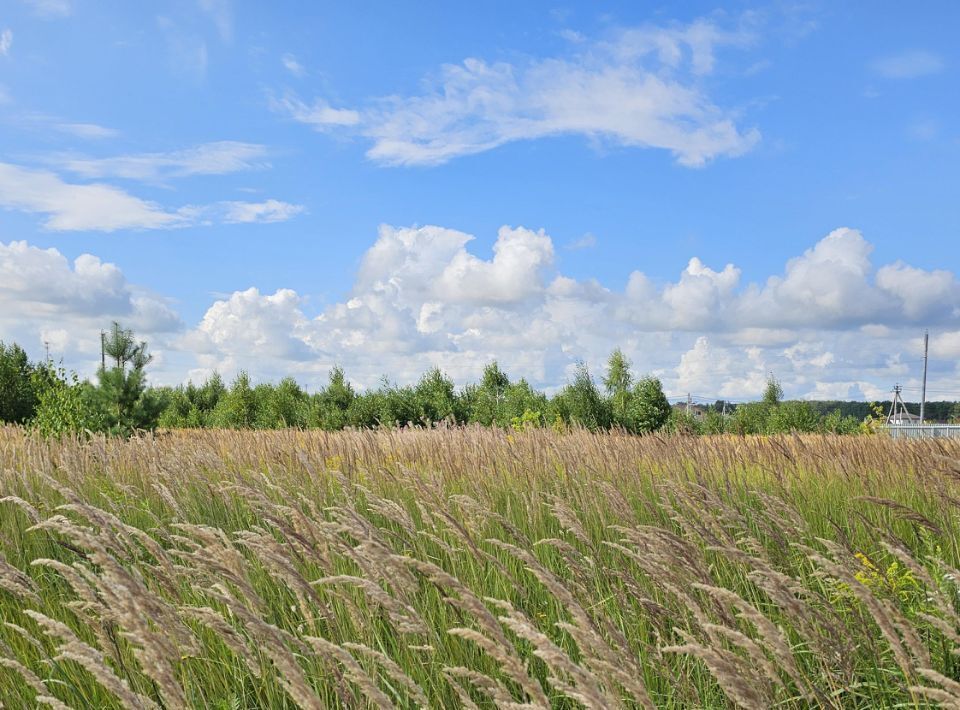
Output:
(476, 568)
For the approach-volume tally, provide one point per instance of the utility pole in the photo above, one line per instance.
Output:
(923, 392)
(46, 350)
(689, 403)
(103, 355)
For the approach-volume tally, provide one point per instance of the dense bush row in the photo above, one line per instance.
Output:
(46, 398)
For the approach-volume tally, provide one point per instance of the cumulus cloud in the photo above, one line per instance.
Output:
(639, 88)
(6, 41)
(908, 65)
(830, 323)
(45, 297)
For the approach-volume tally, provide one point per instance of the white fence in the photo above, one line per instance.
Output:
(923, 431)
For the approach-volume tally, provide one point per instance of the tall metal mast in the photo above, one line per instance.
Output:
(923, 392)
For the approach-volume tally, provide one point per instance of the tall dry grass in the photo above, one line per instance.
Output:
(472, 568)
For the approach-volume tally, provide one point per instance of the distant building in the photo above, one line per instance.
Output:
(697, 411)
(903, 418)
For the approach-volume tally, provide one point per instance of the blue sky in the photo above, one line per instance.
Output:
(723, 191)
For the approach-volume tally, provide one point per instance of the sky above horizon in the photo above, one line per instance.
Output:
(722, 191)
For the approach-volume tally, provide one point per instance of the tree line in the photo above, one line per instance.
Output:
(48, 398)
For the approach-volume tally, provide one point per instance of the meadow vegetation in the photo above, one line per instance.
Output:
(120, 402)
(478, 567)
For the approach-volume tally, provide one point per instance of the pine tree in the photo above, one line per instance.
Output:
(122, 384)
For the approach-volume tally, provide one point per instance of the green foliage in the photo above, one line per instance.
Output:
(836, 423)
(773, 392)
(680, 422)
(18, 399)
(285, 405)
(714, 422)
(331, 408)
(617, 383)
(790, 417)
(954, 417)
(528, 420)
(485, 403)
(581, 403)
(125, 404)
(192, 406)
(237, 409)
(647, 407)
(64, 404)
(434, 399)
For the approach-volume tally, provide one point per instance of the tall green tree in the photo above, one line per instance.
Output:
(617, 382)
(330, 408)
(581, 403)
(237, 409)
(18, 397)
(648, 408)
(485, 401)
(126, 404)
(435, 399)
(773, 393)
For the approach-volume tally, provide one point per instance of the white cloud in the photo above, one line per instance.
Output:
(267, 211)
(216, 158)
(421, 298)
(291, 64)
(319, 116)
(639, 89)
(587, 241)
(6, 41)
(908, 65)
(830, 323)
(101, 207)
(43, 296)
(71, 206)
(87, 130)
(51, 9)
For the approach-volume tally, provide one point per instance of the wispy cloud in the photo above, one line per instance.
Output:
(259, 212)
(291, 64)
(216, 158)
(587, 241)
(319, 115)
(221, 12)
(51, 9)
(87, 130)
(637, 88)
(6, 41)
(100, 207)
(70, 206)
(908, 65)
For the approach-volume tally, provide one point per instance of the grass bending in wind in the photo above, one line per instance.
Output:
(476, 568)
